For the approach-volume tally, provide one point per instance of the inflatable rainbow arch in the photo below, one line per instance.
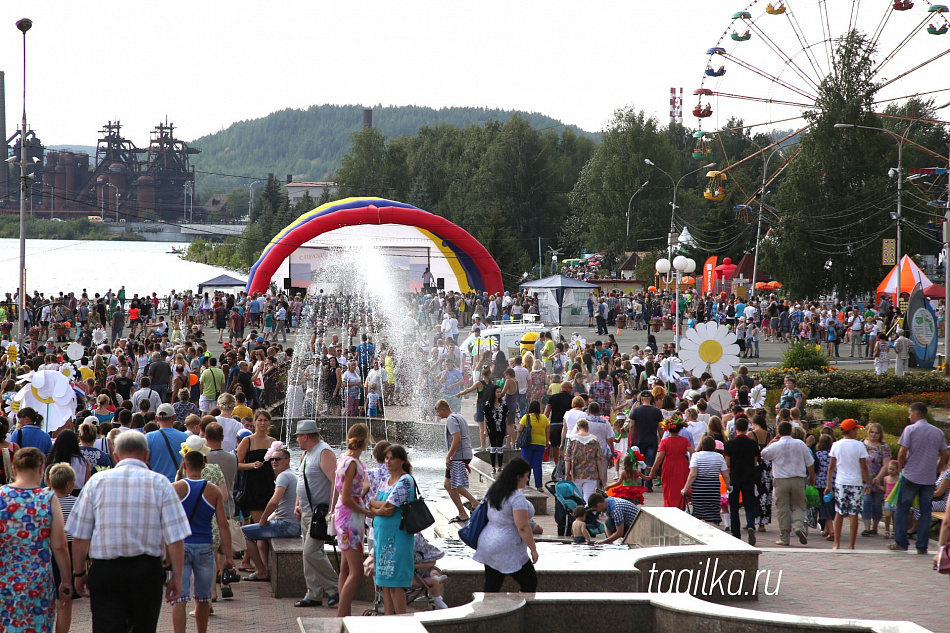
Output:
(474, 267)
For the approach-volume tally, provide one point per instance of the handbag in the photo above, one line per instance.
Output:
(415, 514)
(942, 564)
(318, 520)
(524, 437)
(685, 505)
(238, 542)
(476, 523)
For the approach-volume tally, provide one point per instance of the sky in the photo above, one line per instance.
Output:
(205, 64)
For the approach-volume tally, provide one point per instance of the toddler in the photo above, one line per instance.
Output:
(890, 480)
(579, 527)
(372, 402)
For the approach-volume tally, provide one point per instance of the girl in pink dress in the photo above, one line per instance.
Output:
(349, 515)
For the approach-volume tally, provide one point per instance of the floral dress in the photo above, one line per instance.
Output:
(537, 385)
(27, 592)
(349, 527)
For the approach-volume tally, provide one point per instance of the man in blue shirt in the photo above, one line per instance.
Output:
(452, 381)
(365, 352)
(164, 445)
(28, 433)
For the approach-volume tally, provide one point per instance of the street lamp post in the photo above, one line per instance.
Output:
(250, 200)
(631, 202)
(676, 184)
(681, 265)
(23, 25)
(184, 212)
(900, 179)
(109, 184)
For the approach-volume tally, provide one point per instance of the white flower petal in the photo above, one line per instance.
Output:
(694, 335)
(689, 345)
(722, 367)
(730, 350)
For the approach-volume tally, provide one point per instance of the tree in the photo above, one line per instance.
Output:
(498, 240)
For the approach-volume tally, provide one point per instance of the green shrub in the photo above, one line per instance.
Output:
(843, 409)
(805, 357)
(857, 384)
(890, 440)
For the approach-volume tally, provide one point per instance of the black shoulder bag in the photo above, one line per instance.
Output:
(415, 514)
(318, 521)
(170, 451)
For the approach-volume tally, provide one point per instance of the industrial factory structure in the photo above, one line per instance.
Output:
(123, 182)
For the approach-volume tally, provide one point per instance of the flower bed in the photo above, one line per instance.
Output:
(938, 399)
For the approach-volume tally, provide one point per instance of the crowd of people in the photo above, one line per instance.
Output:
(172, 463)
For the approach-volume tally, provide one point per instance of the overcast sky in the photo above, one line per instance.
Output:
(207, 63)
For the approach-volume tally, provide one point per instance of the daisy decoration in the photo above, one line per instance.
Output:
(709, 347)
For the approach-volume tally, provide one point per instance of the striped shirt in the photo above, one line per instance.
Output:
(128, 511)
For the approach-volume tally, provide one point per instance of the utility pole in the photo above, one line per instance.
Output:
(23, 25)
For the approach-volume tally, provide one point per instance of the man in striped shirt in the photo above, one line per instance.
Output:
(124, 520)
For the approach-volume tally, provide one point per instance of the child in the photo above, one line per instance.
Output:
(627, 484)
(753, 333)
(372, 402)
(61, 478)
(425, 554)
(890, 480)
(579, 527)
(826, 511)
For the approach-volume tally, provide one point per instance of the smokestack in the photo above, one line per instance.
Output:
(290, 178)
(5, 172)
(367, 118)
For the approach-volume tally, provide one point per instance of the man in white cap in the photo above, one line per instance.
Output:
(162, 457)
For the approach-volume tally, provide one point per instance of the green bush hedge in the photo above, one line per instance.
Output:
(857, 384)
(805, 357)
(890, 440)
(893, 417)
(843, 409)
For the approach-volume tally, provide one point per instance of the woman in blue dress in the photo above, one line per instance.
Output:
(393, 546)
(32, 540)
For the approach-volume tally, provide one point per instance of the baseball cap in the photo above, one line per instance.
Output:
(260, 339)
(646, 394)
(850, 423)
(165, 411)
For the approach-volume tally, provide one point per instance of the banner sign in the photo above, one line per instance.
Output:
(921, 322)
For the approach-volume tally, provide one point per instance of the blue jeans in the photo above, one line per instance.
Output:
(274, 529)
(522, 404)
(533, 454)
(199, 561)
(908, 491)
(649, 456)
(873, 506)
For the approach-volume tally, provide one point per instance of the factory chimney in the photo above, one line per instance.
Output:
(5, 170)
(367, 118)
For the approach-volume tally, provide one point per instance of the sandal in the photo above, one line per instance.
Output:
(255, 578)
(887, 535)
(866, 533)
(458, 520)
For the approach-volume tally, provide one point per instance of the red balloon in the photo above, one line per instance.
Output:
(193, 379)
(68, 325)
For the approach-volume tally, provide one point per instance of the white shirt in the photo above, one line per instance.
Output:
(789, 457)
(696, 430)
(571, 418)
(749, 313)
(848, 454)
(231, 429)
(521, 376)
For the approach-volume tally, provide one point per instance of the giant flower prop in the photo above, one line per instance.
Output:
(671, 369)
(709, 347)
(50, 394)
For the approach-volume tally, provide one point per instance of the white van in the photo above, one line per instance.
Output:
(507, 337)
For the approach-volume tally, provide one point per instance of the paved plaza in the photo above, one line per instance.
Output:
(870, 582)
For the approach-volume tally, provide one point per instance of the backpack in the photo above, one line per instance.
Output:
(557, 365)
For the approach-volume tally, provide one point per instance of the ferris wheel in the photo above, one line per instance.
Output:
(771, 60)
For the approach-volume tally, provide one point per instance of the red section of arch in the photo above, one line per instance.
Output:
(371, 214)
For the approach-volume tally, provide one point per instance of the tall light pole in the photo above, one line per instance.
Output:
(23, 25)
(676, 184)
(109, 184)
(250, 200)
(188, 191)
(631, 202)
(681, 265)
(900, 179)
(758, 230)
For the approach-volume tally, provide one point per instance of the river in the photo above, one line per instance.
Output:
(71, 265)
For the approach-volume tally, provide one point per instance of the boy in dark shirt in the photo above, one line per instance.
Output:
(742, 457)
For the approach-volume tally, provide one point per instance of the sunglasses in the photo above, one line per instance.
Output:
(277, 459)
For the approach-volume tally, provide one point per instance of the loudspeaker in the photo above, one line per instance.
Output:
(440, 283)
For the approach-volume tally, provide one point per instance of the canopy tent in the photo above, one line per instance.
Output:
(910, 276)
(222, 282)
(557, 293)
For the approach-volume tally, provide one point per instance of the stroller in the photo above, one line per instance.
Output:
(567, 496)
(425, 555)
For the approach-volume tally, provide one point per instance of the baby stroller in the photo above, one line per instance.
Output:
(425, 555)
(567, 496)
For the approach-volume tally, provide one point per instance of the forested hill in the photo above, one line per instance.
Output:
(310, 143)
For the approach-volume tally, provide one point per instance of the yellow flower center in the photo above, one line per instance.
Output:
(710, 351)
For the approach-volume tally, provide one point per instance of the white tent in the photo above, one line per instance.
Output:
(561, 299)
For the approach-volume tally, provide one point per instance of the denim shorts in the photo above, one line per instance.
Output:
(199, 561)
(274, 529)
